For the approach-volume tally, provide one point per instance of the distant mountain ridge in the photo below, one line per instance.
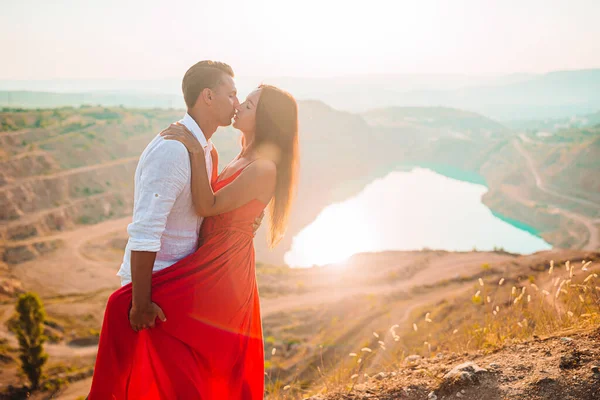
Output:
(435, 117)
(558, 94)
(29, 99)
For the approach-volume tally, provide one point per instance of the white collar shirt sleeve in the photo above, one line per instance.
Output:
(164, 175)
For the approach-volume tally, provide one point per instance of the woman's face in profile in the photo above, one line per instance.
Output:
(245, 119)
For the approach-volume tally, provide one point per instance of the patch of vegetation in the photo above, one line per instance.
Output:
(29, 328)
(53, 385)
(499, 313)
(89, 135)
(89, 191)
(269, 269)
(7, 352)
(106, 114)
(86, 220)
(76, 126)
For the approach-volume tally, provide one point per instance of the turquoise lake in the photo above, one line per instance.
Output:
(411, 209)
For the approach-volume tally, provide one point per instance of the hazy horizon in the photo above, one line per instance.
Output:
(172, 85)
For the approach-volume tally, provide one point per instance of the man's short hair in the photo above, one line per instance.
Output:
(202, 75)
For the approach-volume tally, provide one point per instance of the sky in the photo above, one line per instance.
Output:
(152, 39)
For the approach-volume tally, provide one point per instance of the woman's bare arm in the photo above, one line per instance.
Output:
(257, 181)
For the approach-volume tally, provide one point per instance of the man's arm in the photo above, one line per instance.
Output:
(142, 263)
(143, 311)
(165, 173)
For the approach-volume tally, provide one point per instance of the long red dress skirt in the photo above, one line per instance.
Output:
(211, 345)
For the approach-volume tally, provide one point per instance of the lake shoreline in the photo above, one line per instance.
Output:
(417, 207)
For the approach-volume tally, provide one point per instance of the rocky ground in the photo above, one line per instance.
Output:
(311, 316)
(561, 367)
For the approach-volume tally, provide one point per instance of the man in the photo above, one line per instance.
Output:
(165, 227)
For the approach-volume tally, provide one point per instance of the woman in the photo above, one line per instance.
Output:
(211, 347)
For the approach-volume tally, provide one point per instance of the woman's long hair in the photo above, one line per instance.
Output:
(276, 137)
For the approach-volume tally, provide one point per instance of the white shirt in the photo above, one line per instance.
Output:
(164, 220)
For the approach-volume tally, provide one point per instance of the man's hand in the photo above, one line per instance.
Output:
(145, 317)
(257, 222)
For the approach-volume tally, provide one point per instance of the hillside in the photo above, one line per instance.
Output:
(508, 338)
(564, 157)
(549, 125)
(390, 303)
(554, 367)
(68, 167)
(66, 200)
(461, 124)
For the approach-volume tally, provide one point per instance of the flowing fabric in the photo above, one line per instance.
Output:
(211, 345)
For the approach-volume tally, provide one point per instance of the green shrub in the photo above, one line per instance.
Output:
(30, 327)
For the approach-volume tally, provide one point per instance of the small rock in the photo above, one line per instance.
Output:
(566, 339)
(463, 391)
(469, 367)
(413, 358)
(570, 361)
(460, 375)
(432, 396)
(595, 369)
(545, 381)
(380, 375)
(459, 395)
(522, 367)
(494, 366)
(10, 287)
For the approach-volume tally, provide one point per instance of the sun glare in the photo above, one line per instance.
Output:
(332, 238)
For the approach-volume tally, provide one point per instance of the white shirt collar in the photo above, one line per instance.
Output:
(189, 123)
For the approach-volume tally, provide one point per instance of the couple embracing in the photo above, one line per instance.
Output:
(186, 323)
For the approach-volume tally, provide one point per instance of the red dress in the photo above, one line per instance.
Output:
(211, 346)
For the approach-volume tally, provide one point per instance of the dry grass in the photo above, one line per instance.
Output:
(500, 310)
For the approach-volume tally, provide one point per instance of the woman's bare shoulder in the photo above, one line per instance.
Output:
(261, 169)
(264, 166)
